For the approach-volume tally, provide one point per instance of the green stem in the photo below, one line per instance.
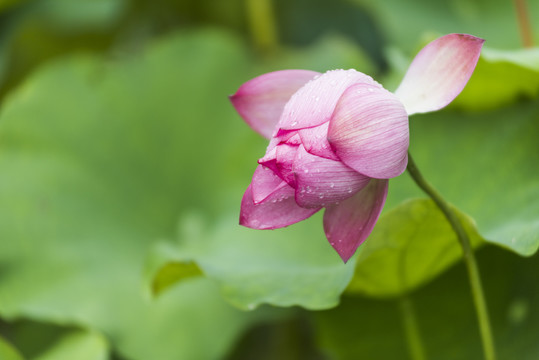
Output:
(411, 329)
(469, 258)
(524, 23)
(262, 25)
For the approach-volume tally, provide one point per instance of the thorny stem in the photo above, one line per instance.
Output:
(262, 25)
(469, 258)
(524, 23)
(411, 329)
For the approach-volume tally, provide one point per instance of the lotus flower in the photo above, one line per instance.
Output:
(336, 138)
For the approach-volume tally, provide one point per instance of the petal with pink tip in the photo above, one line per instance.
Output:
(439, 73)
(313, 104)
(315, 141)
(276, 211)
(349, 223)
(261, 101)
(369, 132)
(264, 183)
(321, 181)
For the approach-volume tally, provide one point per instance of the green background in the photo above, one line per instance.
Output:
(122, 166)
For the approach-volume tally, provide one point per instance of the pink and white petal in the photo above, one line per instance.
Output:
(264, 183)
(349, 223)
(439, 73)
(315, 141)
(260, 101)
(369, 132)
(276, 211)
(321, 181)
(313, 104)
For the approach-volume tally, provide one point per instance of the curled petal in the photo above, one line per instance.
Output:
(261, 101)
(349, 223)
(313, 104)
(277, 210)
(439, 73)
(321, 181)
(315, 141)
(369, 132)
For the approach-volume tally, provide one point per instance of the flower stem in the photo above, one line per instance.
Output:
(469, 258)
(524, 23)
(262, 25)
(411, 329)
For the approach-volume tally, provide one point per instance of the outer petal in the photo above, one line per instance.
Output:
(320, 181)
(439, 73)
(278, 210)
(369, 132)
(313, 104)
(261, 101)
(349, 223)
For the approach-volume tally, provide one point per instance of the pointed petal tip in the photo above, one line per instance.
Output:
(348, 224)
(439, 72)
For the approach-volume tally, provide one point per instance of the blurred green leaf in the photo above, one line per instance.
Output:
(363, 328)
(293, 266)
(484, 164)
(8, 352)
(330, 52)
(501, 78)
(405, 22)
(7, 4)
(80, 345)
(410, 245)
(172, 272)
(99, 160)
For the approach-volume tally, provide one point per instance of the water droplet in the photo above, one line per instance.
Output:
(306, 171)
(321, 196)
(349, 191)
(370, 90)
(294, 123)
(332, 185)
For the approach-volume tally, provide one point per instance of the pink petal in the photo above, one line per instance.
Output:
(315, 141)
(261, 101)
(280, 159)
(439, 73)
(349, 223)
(322, 181)
(369, 132)
(285, 160)
(276, 211)
(313, 104)
(264, 183)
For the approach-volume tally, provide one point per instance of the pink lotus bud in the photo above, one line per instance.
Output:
(336, 138)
